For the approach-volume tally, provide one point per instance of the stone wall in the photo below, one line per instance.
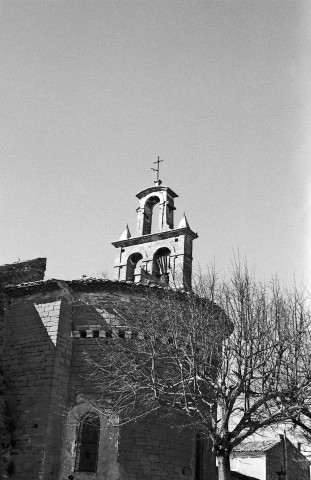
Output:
(27, 271)
(296, 464)
(155, 451)
(37, 367)
(147, 450)
(49, 327)
(22, 272)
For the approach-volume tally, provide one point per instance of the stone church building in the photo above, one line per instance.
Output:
(48, 429)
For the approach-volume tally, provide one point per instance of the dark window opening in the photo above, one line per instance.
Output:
(83, 333)
(121, 334)
(199, 456)
(156, 220)
(95, 333)
(161, 265)
(88, 442)
(109, 334)
(148, 210)
(133, 270)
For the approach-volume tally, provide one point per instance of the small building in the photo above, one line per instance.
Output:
(264, 459)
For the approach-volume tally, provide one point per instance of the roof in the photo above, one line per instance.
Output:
(89, 283)
(255, 447)
(80, 283)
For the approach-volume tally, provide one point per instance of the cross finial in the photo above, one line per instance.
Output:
(157, 181)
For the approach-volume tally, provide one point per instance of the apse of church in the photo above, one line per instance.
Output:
(158, 253)
(46, 328)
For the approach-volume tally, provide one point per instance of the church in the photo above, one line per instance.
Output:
(49, 431)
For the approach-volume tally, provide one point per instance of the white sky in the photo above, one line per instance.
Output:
(93, 91)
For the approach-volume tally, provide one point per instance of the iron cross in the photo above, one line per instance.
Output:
(157, 170)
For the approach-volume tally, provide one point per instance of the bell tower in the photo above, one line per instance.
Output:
(159, 253)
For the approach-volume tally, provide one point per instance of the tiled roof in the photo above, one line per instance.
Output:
(78, 282)
(256, 446)
(82, 281)
(24, 288)
(39, 283)
(89, 280)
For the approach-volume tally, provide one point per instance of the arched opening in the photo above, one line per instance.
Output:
(88, 442)
(148, 209)
(156, 221)
(199, 456)
(133, 268)
(161, 265)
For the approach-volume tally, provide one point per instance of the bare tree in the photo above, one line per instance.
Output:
(227, 344)
(298, 376)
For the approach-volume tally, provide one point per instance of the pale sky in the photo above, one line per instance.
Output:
(93, 91)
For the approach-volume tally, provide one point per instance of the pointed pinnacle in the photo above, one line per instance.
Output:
(183, 222)
(126, 234)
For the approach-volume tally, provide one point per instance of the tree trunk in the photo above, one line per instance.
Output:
(224, 467)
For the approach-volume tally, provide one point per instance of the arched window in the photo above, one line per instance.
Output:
(199, 456)
(161, 265)
(157, 221)
(150, 203)
(88, 442)
(133, 267)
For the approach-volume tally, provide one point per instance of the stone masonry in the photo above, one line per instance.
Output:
(26, 271)
(51, 428)
(162, 256)
(48, 327)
